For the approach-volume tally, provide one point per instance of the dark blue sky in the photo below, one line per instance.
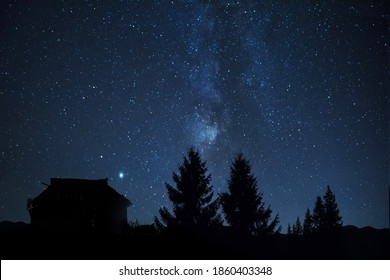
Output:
(93, 89)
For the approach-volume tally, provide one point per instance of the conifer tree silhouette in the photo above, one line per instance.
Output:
(332, 218)
(318, 214)
(242, 205)
(326, 215)
(308, 226)
(192, 198)
(297, 227)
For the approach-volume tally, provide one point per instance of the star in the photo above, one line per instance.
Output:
(291, 86)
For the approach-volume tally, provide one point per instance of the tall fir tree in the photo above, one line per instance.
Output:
(193, 204)
(308, 226)
(332, 218)
(297, 227)
(243, 205)
(318, 214)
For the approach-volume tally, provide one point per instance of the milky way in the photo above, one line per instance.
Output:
(121, 90)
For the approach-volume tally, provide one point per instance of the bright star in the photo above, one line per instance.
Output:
(121, 175)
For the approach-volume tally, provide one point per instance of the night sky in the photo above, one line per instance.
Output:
(121, 90)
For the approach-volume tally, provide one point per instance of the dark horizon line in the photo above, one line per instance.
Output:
(146, 224)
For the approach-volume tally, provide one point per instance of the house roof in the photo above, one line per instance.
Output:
(97, 190)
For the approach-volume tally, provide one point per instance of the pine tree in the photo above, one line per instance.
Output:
(297, 227)
(242, 205)
(318, 215)
(332, 218)
(308, 226)
(192, 198)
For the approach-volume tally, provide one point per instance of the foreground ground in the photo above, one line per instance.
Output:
(20, 241)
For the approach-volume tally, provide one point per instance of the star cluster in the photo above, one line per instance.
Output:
(121, 89)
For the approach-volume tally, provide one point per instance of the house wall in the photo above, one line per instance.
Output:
(62, 216)
(113, 217)
(76, 205)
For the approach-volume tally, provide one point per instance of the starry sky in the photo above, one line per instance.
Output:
(121, 90)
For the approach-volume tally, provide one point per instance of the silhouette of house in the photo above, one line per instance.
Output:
(78, 204)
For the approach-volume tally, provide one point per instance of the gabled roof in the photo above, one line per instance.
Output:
(98, 190)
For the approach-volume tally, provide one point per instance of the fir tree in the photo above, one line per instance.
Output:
(242, 205)
(332, 218)
(308, 226)
(318, 214)
(297, 227)
(193, 205)
(326, 215)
